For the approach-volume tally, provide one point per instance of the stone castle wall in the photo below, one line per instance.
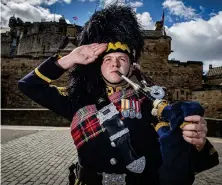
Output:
(13, 70)
(214, 81)
(179, 78)
(5, 44)
(26, 111)
(40, 44)
(36, 39)
(33, 118)
(154, 60)
(211, 100)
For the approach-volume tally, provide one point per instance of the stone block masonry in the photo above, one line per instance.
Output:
(12, 70)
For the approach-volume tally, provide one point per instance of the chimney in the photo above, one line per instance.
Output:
(210, 66)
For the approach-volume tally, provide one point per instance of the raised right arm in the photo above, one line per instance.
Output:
(36, 86)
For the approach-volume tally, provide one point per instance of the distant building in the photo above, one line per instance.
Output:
(214, 75)
(180, 78)
(42, 39)
(37, 39)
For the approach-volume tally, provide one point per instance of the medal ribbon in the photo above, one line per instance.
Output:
(125, 104)
(137, 106)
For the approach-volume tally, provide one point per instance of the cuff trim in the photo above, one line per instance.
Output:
(161, 124)
(40, 75)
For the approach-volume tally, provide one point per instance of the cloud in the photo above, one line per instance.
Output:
(177, 8)
(202, 8)
(136, 4)
(105, 3)
(145, 20)
(28, 11)
(87, 0)
(198, 40)
(67, 1)
(169, 18)
(133, 4)
(90, 13)
(212, 14)
(214, 63)
(36, 2)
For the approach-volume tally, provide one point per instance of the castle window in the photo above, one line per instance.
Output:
(177, 97)
(187, 95)
(182, 92)
(25, 32)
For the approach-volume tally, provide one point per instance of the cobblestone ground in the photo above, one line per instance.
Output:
(9, 135)
(40, 158)
(212, 176)
(43, 158)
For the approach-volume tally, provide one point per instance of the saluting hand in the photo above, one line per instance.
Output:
(84, 55)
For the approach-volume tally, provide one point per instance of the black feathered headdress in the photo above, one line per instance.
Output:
(115, 23)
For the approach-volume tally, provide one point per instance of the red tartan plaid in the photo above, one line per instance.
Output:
(121, 94)
(85, 125)
(83, 114)
(86, 130)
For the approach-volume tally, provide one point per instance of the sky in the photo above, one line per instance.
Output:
(195, 26)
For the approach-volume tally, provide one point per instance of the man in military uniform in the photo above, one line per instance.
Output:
(116, 136)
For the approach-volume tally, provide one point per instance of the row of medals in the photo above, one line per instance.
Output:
(131, 109)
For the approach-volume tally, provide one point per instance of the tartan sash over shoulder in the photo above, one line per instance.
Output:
(85, 124)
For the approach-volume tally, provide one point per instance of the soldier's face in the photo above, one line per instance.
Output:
(113, 62)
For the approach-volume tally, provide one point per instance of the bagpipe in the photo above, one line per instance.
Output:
(170, 116)
(174, 149)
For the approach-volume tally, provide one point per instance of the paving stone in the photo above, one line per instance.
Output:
(51, 182)
(35, 178)
(29, 183)
(64, 183)
(5, 183)
(43, 158)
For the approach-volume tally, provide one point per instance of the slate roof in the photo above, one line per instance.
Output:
(216, 71)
